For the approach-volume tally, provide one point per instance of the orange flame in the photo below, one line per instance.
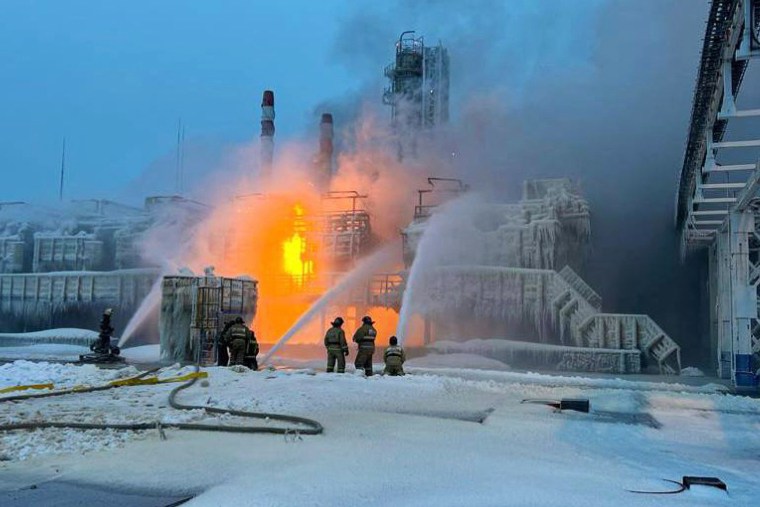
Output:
(274, 236)
(294, 251)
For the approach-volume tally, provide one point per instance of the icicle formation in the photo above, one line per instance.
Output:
(497, 260)
(510, 294)
(550, 227)
(560, 357)
(192, 308)
(175, 317)
(46, 297)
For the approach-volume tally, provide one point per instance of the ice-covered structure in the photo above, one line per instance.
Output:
(498, 263)
(194, 310)
(550, 226)
(60, 266)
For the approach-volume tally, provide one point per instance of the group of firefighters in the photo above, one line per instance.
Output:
(243, 347)
(238, 346)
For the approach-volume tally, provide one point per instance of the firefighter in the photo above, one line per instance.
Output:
(237, 338)
(337, 348)
(222, 354)
(394, 358)
(103, 344)
(251, 351)
(365, 338)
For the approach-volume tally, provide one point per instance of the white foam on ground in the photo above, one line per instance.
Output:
(142, 353)
(456, 361)
(387, 428)
(45, 351)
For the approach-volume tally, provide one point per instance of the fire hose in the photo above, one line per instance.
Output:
(300, 425)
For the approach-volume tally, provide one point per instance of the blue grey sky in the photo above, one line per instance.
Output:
(113, 77)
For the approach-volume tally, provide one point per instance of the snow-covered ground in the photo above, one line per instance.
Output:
(402, 440)
(62, 344)
(44, 351)
(68, 352)
(456, 360)
(60, 336)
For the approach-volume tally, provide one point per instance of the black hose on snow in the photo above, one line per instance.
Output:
(302, 426)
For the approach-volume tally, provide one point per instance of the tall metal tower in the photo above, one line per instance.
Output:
(419, 89)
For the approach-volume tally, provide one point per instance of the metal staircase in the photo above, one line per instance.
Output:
(562, 297)
(577, 309)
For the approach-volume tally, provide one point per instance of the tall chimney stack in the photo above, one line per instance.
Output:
(267, 133)
(326, 147)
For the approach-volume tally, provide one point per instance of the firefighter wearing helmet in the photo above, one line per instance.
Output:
(364, 337)
(242, 344)
(103, 344)
(394, 358)
(337, 348)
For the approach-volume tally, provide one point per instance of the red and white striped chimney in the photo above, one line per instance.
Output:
(267, 132)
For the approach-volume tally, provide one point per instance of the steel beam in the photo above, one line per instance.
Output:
(746, 113)
(710, 212)
(751, 143)
(729, 45)
(751, 190)
(718, 186)
(728, 168)
(714, 200)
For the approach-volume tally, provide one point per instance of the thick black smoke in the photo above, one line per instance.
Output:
(599, 91)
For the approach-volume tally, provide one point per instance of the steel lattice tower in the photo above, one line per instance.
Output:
(419, 89)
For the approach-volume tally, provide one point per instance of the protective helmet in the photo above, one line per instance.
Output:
(338, 321)
(394, 340)
(108, 311)
(238, 320)
(367, 320)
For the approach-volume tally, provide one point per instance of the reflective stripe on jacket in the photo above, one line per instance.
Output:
(394, 355)
(365, 336)
(238, 332)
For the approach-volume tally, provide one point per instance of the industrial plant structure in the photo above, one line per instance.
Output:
(718, 201)
(508, 268)
(419, 90)
(62, 266)
(195, 309)
(517, 273)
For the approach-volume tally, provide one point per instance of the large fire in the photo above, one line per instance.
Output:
(276, 236)
(294, 251)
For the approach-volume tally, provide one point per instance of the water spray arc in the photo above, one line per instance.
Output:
(148, 307)
(359, 274)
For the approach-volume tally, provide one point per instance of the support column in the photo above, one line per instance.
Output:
(744, 299)
(723, 304)
(713, 296)
(737, 300)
